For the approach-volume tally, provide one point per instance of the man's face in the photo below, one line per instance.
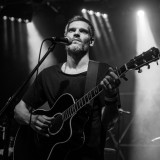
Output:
(79, 33)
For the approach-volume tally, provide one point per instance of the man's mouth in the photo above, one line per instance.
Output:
(76, 40)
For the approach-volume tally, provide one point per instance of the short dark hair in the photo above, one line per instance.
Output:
(81, 18)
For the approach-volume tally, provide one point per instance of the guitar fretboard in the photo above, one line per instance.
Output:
(69, 112)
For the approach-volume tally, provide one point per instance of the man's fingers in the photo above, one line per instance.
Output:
(115, 79)
(44, 119)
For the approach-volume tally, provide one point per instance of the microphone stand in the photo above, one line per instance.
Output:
(7, 110)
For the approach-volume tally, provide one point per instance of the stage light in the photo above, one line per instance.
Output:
(98, 14)
(91, 12)
(104, 15)
(26, 21)
(19, 19)
(140, 13)
(1, 7)
(84, 10)
(12, 19)
(5, 17)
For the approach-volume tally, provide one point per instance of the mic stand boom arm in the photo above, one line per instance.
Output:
(8, 108)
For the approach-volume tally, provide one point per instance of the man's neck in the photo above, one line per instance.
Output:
(74, 66)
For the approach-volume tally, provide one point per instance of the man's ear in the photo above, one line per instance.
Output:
(91, 42)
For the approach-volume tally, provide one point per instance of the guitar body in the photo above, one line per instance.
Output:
(65, 136)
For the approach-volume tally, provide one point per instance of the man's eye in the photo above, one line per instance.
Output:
(71, 30)
(84, 31)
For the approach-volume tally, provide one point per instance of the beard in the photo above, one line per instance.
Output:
(74, 49)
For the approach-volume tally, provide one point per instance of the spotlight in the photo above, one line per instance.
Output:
(105, 16)
(98, 14)
(19, 19)
(140, 13)
(1, 7)
(84, 11)
(12, 19)
(91, 12)
(5, 17)
(26, 21)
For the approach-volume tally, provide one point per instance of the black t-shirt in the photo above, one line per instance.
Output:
(51, 83)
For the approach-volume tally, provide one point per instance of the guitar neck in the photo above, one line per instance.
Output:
(69, 112)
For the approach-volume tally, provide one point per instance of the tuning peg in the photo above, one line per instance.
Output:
(139, 70)
(135, 65)
(124, 77)
(157, 63)
(153, 56)
(149, 66)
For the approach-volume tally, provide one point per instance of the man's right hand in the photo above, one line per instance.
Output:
(40, 123)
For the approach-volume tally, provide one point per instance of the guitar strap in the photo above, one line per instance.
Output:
(91, 78)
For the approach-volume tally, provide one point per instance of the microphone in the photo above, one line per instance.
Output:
(61, 40)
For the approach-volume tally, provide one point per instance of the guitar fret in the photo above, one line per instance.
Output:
(86, 98)
(73, 109)
(126, 68)
(67, 114)
(96, 90)
(70, 111)
(64, 115)
(80, 104)
(83, 101)
(89, 96)
(93, 93)
(76, 106)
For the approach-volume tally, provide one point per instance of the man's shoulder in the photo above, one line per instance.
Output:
(50, 70)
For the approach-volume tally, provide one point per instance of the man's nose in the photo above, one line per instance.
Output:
(76, 33)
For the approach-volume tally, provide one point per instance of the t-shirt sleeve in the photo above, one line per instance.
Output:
(35, 96)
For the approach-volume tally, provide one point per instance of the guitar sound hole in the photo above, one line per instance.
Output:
(56, 124)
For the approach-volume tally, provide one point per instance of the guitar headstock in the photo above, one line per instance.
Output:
(138, 62)
(144, 59)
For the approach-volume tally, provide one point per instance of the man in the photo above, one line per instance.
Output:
(70, 78)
